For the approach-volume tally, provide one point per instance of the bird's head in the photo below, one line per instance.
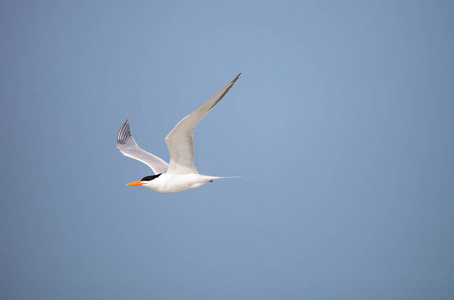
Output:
(144, 180)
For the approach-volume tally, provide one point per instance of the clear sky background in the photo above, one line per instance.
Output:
(341, 125)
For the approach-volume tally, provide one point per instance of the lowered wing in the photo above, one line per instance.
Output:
(128, 146)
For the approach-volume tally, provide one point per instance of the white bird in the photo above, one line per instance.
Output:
(180, 173)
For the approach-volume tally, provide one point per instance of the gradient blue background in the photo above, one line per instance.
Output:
(341, 124)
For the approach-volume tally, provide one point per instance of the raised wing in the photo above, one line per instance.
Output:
(180, 140)
(128, 146)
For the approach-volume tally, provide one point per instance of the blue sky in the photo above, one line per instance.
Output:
(340, 124)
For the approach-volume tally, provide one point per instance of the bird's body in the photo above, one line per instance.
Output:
(180, 173)
(170, 183)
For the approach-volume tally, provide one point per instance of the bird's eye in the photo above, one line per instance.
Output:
(151, 177)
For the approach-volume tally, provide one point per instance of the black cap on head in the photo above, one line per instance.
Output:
(151, 177)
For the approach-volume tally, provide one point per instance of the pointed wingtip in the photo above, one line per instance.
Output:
(124, 133)
(236, 78)
(125, 124)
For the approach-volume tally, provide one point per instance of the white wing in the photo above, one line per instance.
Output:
(180, 140)
(128, 146)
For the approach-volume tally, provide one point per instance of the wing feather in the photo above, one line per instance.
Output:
(128, 146)
(180, 140)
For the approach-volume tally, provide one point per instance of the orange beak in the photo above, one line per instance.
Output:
(135, 183)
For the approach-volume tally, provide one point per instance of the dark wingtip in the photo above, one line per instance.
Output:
(227, 89)
(234, 80)
(124, 133)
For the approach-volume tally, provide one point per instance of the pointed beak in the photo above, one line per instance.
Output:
(135, 183)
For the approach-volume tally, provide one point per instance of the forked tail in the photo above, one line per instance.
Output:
(211, 178)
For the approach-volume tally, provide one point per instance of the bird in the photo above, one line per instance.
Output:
(180, 173)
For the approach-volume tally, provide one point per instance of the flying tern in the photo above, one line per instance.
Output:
(180, 173)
